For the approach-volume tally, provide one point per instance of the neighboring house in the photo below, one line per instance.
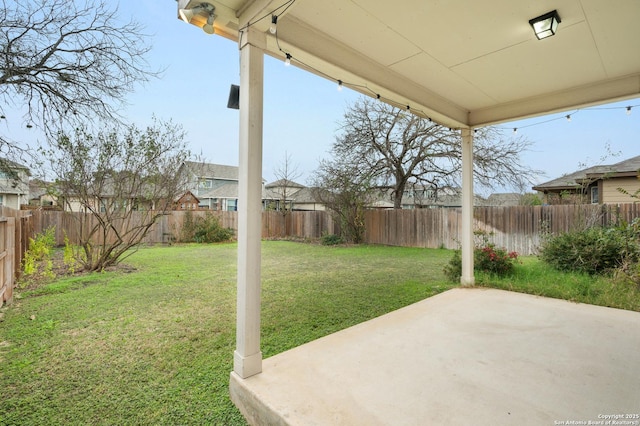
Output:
(419, 197)
(595, 185)
(187, 201)
(111, 196)
(282, 195)
(215, 185)
(306, 200)
(14, 184)
(41, 194)
(503, 199)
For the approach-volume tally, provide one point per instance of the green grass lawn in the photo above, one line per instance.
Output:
(535, 277)
(155, 346)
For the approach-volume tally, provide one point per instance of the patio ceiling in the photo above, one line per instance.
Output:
(462, 63)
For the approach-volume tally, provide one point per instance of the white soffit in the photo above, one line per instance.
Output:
(461, 62)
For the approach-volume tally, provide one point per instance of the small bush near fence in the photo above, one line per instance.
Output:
(331, 240)
(204, 229)
(37, 258)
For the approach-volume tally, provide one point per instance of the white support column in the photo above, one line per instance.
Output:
(247, 359)
(467, 278)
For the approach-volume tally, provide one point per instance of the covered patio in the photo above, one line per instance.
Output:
(466, 356)
(463, 64)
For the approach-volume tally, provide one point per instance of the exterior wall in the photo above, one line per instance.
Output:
(73, 205)
(309, 206)
(14, 191)
(13, 201)
(611, 195)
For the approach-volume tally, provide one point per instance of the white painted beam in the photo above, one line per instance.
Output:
(578, 97)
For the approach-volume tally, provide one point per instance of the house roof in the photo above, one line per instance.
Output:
(228, 190)
(184, 195)
(213, 171)
(38, 188)
(280, 183)
(463, 63)
(503, 199)
(5, 163)
(571, 180)
(305, 195)
(629, 167)
(574, 180)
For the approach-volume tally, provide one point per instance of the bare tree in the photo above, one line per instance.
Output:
(346, 190)
(286, 173)
(398, 148)
(123, 182)
(66, 63)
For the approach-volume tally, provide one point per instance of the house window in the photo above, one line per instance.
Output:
(594, 195)
(206, 183)
(232, 205)
(1, 200)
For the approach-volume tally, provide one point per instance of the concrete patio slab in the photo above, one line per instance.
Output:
(466, 356)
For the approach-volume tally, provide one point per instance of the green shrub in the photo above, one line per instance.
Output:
(37, 259)
(205, 229)
(453, 269)
(494, 260)
(593, 250)
(487, 258)
(331, 240)
(71, 256)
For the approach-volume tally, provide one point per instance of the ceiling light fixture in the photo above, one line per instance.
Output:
(202, 10)
(545, 25)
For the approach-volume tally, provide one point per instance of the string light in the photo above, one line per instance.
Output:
(339, 85)
(568, 117)
(287, 61)
(629, 110)
(515, 130)
(274, 22)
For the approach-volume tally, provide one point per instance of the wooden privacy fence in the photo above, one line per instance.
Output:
(312, 224)
(517, 228)
(7, 256)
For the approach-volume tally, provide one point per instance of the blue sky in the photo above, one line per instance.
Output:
(303, 111)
